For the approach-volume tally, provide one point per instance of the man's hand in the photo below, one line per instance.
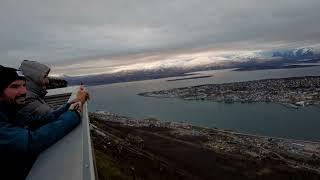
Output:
(76, 106)
(82, 96)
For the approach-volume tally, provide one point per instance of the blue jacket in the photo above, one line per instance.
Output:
(24, 136)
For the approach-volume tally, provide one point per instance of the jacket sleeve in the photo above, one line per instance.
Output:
(52, 116)
(61, 110)
(35, 107)
(17, 139)
(41, 108)
(35, 121)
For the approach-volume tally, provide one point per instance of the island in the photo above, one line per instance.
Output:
(188, 78)
(292, 92)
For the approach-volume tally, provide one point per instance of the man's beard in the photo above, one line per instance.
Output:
(18, 101)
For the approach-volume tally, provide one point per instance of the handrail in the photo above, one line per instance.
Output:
(88, 165)
(71, 157)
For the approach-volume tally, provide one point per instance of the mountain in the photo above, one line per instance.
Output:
(126, 76)
(242, 62)
(296, 53)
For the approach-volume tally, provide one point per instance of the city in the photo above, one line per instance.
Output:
(292, 92)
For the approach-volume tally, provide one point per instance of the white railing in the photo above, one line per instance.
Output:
(71, 158)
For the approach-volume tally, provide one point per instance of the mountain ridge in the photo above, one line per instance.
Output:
(278, 60)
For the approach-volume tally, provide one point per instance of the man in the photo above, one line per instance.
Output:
(22, 139)
(36, 75)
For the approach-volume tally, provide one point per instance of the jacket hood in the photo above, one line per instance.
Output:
(34, 72)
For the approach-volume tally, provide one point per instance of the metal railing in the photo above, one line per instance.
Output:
(71, 158)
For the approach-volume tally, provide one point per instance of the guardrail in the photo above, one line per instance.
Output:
(71, 158)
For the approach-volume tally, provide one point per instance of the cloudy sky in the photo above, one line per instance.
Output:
(99, 36)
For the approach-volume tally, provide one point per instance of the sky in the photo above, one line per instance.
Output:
(96, 36)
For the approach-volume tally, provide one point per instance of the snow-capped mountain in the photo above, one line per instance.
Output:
(180, 65)
(244, 55)
(305, 52)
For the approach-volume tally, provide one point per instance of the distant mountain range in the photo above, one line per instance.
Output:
(278, 60)
(296, 53)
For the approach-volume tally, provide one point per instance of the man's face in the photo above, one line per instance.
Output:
(15, 93)
(45, 81)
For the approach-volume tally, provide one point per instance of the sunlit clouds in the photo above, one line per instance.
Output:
(154, 61)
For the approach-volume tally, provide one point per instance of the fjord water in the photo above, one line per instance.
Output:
(258, 118)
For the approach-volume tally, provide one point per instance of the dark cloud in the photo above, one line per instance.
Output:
(60, 31)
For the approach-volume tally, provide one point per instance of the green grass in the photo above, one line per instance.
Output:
(107, 168)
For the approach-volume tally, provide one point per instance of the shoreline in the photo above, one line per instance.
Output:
(286, 105)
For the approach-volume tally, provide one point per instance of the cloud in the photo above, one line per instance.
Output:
(153, 61)
(64, 32)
